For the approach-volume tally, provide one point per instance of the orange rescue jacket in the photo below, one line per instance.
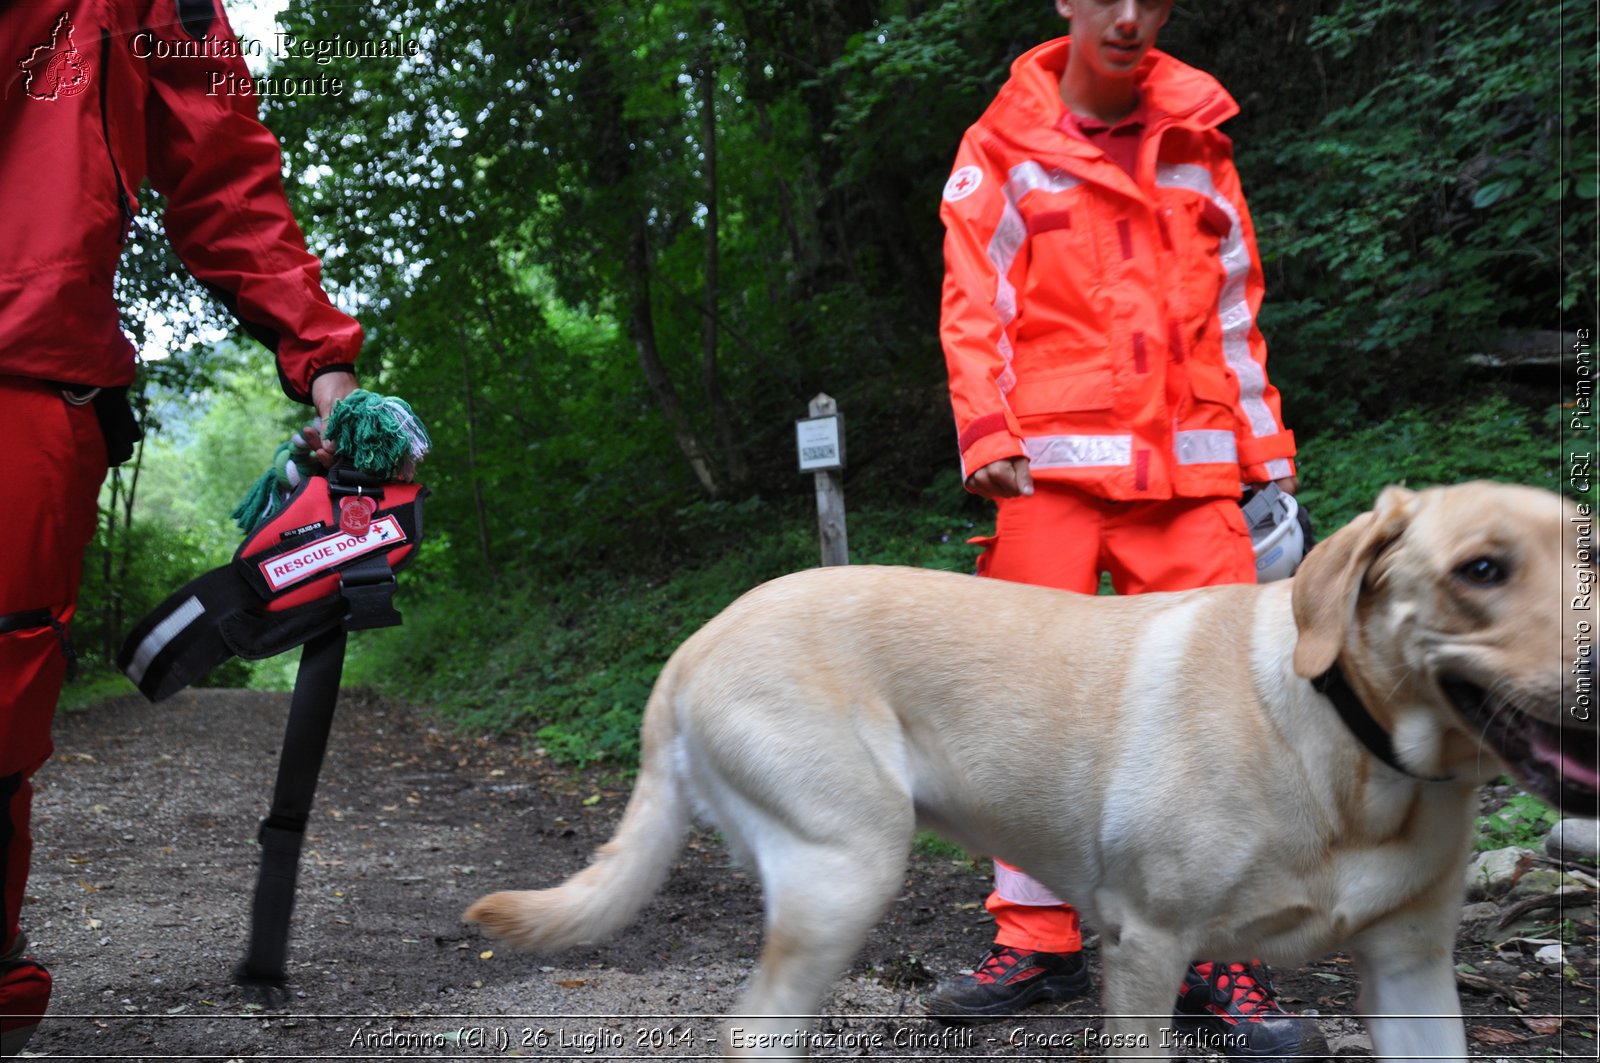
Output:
(1105, 327)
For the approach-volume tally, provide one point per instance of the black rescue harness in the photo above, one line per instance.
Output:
(323, 567)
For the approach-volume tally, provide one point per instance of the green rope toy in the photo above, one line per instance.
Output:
(378, 434)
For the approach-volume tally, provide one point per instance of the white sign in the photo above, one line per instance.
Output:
(820, 443)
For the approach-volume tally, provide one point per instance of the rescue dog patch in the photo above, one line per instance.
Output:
(317, 557)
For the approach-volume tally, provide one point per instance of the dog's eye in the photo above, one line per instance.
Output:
(1483, 572)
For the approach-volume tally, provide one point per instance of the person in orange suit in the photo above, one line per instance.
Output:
(1110, 394)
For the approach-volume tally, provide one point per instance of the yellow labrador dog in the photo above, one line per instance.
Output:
(824, 716)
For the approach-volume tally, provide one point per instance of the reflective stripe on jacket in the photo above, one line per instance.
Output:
(1100, 325)
(95, 96)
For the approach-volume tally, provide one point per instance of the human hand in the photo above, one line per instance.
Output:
(326, 390)
(1288, 485)
(1006, 478)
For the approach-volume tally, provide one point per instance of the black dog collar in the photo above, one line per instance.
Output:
(1358, 721)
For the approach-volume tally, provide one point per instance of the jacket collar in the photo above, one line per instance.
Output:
(1029, 111)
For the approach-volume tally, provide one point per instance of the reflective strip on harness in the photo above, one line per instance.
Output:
(162, 634)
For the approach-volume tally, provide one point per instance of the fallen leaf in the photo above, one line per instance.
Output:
(488, 954)
(1491, 1036)
(572, 983)
(1544, 1025)
(592, 799)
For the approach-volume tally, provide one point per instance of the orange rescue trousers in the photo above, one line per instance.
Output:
(1060, 537)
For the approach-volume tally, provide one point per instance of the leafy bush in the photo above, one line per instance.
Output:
(1523, 821)
(1445, 193)
(570, 656)
(1341, 473)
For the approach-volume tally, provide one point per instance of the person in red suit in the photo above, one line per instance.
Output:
(99, 95)
(1110, 393)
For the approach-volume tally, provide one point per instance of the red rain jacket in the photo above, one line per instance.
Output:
(95, 95)
(1100, 325)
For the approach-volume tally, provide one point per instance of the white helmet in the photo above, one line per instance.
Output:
(1275, 533)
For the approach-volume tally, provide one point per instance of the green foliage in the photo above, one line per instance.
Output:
(1341, 473)
(1523, 821)
(571, 659)
(522, 217)
(929, 844)
(1445, 195)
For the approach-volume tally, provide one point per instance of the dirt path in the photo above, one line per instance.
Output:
(146, 860)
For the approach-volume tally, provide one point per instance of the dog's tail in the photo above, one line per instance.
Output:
(626, 871)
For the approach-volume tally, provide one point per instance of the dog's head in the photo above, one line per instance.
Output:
(1465, 614)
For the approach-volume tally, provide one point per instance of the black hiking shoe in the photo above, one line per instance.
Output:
(1007, 981)
(1232, 1008)
(24, 993)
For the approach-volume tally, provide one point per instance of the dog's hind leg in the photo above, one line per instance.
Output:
(817, 798)
(822, 897)
(1143, 968)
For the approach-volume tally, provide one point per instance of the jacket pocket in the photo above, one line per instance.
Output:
(1063, 391)
(1215, 388)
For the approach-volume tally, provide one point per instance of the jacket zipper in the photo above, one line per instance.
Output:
(124, 206)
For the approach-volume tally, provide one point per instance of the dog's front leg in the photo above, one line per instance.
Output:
(1408, 993)
(1143, 969)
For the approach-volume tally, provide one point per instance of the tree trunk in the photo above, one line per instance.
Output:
(472, 454)
(727, 436)
(642, 330)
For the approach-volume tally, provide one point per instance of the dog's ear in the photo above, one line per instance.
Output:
(1328, 581)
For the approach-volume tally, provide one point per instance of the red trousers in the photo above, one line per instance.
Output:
(53, 472)
(1060, 537)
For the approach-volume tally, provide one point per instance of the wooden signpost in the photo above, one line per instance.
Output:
(819, 439)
